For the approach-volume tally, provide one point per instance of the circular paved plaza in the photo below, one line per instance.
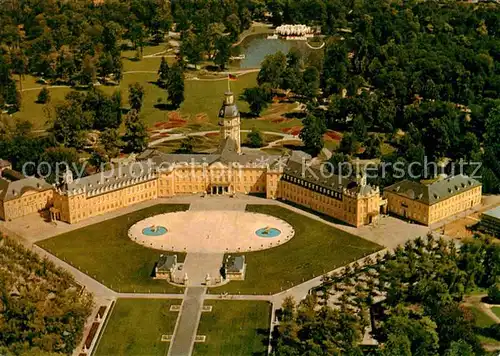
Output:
(211, 231)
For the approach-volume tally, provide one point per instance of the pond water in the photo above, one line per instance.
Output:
(256, 48)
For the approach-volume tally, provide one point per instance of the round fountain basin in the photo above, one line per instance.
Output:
(154, 231)
(268, 232)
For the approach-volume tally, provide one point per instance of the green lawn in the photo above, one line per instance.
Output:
(315, 249)
(482, 319)
(234, 328)
(201, 96)
(496, 310)
(146, 64)
(105, 252)
(147, 50)
(135, 328)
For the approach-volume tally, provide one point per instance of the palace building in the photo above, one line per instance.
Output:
(431, 203)
(228, 171)
(21, 196)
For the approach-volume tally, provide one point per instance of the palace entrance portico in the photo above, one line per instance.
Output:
(220, 189)
(55, 214)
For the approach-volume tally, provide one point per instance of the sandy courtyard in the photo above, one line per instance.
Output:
(211, 231)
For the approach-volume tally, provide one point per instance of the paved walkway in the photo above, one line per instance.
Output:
(197, 265)
(93, 286)
(214, 203)
(187, 322)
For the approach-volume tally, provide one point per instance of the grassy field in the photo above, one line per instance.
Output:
(202, 97)
(315, 249)
(482, 319)
(235, 328)
(483, 322)
(496, 310)
(135, 328)
(105, 252)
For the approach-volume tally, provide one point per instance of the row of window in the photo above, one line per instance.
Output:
(30, 198)
(292, 192)
(312, 186)
(100, 209)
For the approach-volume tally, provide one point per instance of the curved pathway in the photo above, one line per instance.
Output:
(179, 136)
(311, 47)
(249, 32)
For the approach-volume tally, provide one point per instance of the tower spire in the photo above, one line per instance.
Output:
(229, 120)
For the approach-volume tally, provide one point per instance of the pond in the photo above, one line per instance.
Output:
(256, 48)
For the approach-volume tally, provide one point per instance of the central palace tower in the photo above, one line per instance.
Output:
(229, 121)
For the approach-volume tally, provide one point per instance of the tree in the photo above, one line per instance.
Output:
(9, 95)
(98, 159)
(233, 25)
(492, 150)
(52, 308)
(288, 309)
(136, 134)
(175, 86)
(137, 35)
(163, 72)
(494, 294)
(421, 332)
(70, 125)
(258, 98)
(359, 129)
(312, 133)
(310, 82)
(43, 96)
(214, 33)
(19, 63)
(88, 72)
(110, 141)
(292, 78)
(59, 159)
(397, 345)
(372, 147)
(340, 164)
(187, 145)
(106, 65)
(349, 145)
(272, 70)
(191, 47)
(254, 138)
(459, 348)
(135, 96)
(222, 52)
(105, 110)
